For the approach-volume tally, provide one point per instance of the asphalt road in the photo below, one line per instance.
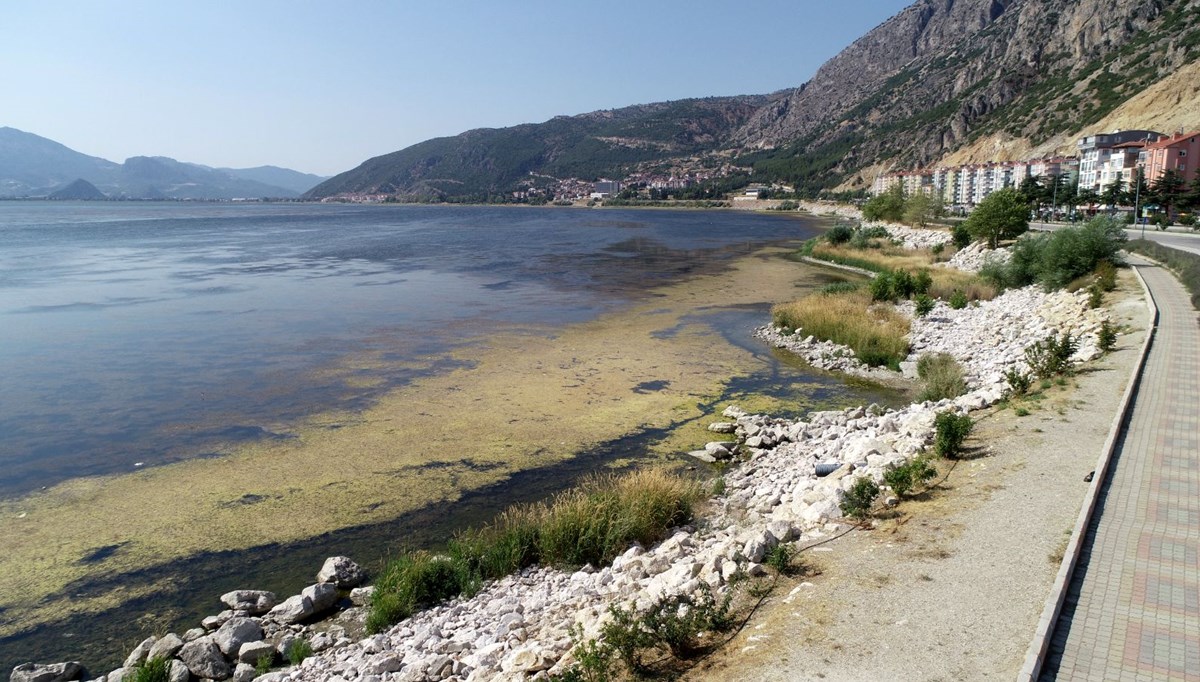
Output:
(1182, 238)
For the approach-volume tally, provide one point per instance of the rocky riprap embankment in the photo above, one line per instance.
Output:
(976, 255)
(254, 625)
(792, 477)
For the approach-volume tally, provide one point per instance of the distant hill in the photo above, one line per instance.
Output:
(588, 146)
(985, 79)
(278, 177)
(33, 166)
(80, 190)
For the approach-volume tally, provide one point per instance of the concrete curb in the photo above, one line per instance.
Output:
(838, 266)
(1036, 655)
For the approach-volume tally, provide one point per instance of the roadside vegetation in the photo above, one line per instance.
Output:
(589, 524)
(1056, 259)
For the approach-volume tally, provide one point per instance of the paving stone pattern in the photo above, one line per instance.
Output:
(1133, 608)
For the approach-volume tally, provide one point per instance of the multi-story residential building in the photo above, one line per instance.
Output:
(1180, 152)
(1095, 150)
(1119, 167)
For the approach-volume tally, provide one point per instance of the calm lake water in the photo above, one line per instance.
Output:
(136, 334)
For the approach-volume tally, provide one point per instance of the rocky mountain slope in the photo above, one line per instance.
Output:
(33, 166)
(999, 76)
(602, 143)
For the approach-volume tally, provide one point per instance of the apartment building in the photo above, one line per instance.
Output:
(1180, 152)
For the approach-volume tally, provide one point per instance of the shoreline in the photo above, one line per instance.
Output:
(777, 497)
(576, 356)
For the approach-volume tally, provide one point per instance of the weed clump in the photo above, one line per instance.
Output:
(299, 650)
(155, 669)
(878, 335)
(942, 376)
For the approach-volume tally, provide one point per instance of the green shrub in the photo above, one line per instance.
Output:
(594, 661)
(675, 622)
(1057, 258)
(155, 669)
(922, 281)
(1095, 296)
(1018, 381)
(780, 558)
(839, 234)
(1107, 336)
(903, 284)
(904, 478)
(882, 288)
(937, 249)
(875, 232)
(960, 235)
(951, 430)
(718, 488)
(1188, 220)
(1052, 355)
(958, 299)
(942, 377)
(299, 650)
(860, 498)
(925, 305)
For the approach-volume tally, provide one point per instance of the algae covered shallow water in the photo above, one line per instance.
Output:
(206, 397)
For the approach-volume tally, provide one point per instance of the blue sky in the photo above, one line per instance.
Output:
(322, 86)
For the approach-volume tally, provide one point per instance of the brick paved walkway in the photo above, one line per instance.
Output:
(1132, 611)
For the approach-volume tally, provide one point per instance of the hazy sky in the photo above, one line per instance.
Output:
(322, 86)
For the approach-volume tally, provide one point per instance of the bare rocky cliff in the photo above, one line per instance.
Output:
(944, 74)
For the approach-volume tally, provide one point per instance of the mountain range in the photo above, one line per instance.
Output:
(33, 166)
(942, 81)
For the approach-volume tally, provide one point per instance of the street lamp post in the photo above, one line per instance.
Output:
(1054, 200)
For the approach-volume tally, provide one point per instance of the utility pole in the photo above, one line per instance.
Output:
(1137, 195)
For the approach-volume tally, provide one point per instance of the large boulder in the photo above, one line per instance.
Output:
(236, 632)
(179, 671)
(341, 572)
(252, 652)
(293, 610)
(254, 602)
(140, 653)
(204, 659)
(54, 672)
(244, 673)
(166, 647)
(324, 596)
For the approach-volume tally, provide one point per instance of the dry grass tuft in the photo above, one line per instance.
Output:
(878, 334)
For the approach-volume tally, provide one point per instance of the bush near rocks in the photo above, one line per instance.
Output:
(151, 670)
(1055, 259)
(860, 498)
(951, 430)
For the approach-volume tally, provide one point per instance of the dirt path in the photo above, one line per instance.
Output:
(950, 589)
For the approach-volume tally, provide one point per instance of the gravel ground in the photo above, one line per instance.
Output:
(951, 588)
